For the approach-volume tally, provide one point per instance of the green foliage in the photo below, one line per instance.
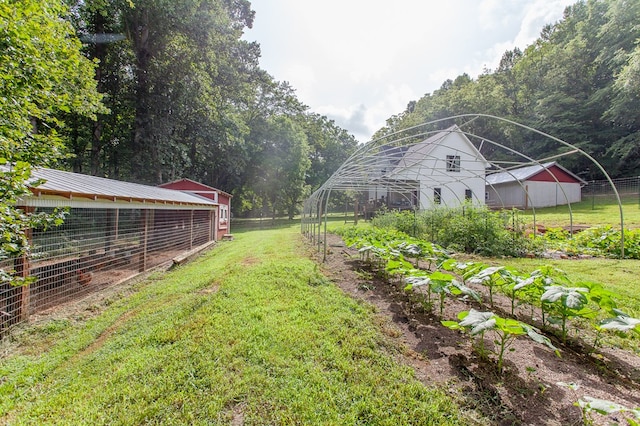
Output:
(506, 330)
(44, 75)
(565, 302)
(245, 331)
(546, 288)
(404, 221)
(596, 241)
(469, 229)
(493, 277)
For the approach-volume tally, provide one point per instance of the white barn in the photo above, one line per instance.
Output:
(540, 185)
(445, 169)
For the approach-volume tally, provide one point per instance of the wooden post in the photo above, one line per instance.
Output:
(191, 229)
(356, 208)
(116, 225)
(144, 240)
(210, 221)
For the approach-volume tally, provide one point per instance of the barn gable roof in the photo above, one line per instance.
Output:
(527, 173)
(417, 153)
(75, 185)
(192, 186)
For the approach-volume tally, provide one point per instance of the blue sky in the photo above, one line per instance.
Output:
(361, 61)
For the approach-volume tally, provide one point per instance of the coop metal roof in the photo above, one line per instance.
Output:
(524, 173)
(73, 186)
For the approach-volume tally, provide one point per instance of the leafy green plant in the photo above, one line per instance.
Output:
(518, 284)
(493, 277)
(589, 405)
(476, 323)
(421, 250)
(415, 282)
(566, 302)
(506, 331)
(621, 323)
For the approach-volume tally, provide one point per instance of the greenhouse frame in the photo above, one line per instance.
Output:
(439, 163)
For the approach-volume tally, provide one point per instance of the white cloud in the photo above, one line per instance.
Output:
(361, 61)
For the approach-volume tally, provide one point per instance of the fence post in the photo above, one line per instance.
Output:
(22, 270)
(144, 240)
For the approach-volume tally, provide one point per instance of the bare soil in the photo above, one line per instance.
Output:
(527, 392)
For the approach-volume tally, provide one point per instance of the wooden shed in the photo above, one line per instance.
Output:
(113, 231)
(223, 199)
(539, 185)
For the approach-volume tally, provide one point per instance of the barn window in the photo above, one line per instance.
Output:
(437, 195)
(468, 194)
(453, 163)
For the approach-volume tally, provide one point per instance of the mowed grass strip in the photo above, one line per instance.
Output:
(592, 212)
(249, 333)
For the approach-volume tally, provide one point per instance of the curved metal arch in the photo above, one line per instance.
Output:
(364, 168)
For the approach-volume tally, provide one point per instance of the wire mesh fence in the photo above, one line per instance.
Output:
(96, 248)
(628, 189)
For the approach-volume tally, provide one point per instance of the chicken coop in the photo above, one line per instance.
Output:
(112, 231)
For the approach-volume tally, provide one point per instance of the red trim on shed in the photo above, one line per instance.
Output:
(222, 198)
(553, 174)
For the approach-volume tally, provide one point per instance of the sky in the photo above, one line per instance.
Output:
(361, 61)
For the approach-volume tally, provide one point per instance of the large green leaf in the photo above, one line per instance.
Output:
(466, 290)
(620, 323)
(572, 297)
(534, 335)
(600, 405)
(478, 322)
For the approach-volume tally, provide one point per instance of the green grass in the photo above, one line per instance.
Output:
(591, 212)
(620, 276)
(250, 330)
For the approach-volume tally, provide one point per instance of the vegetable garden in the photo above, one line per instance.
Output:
(495, 305)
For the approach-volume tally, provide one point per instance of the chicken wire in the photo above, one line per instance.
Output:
(96, 248)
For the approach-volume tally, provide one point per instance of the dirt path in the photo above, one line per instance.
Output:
(527, 393)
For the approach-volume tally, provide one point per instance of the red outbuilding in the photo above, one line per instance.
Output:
(534, 186)
(223, 218)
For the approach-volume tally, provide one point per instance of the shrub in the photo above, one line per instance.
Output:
(404, 221)
(475, 229)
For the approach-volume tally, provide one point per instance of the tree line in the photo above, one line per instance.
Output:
(154, 90)
(187, 98)
(579, 81)
(177, 93)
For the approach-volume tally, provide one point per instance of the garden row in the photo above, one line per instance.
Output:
(476, 229)
(429, 275)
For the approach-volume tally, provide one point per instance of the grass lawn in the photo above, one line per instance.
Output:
(593, 212)
(249, 333)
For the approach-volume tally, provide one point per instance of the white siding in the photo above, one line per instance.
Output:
(541, 194)
(432, 173)
(548, 194)
(506, 195)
